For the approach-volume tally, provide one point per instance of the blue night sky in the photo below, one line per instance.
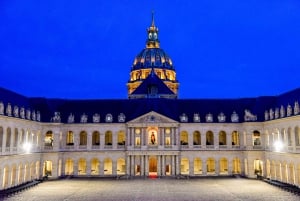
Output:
(84, 49)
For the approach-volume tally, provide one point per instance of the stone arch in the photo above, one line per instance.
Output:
(209, 138)
(48, 139)
(197, 138)
(82, 166)
(223, 166)
(69, 167)
(95, 166)
(235, 138)
(184, 138)
(108, 138)
(256, 138)
(222, 138)
(210, 165)
(121, 138)
(197, 166)
(121, 167)
(184, 166)
(70, 138)
(107, 166)
(47, 168)
(236, 166)
(291, 170)
(83, 138)
(96, 138)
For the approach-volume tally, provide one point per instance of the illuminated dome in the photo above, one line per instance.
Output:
(155, 62)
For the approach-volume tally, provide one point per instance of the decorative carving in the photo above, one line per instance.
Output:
(1, 108)
(209, 117)
(249, 116)
(8, 109)
(196, 117)
(271, 114)
(183, 118)
(28, 114)
(33, 116)
(22, 112)
(221, 117)
(266, 115)
(83, 118)
(121, 117)
(38, 116)
(71, 118)
(276, 113)
(16, 111)
(234, 117)
(56, 118)
(108, 118)
(96, 118)
(289, 110)
(282, 112)
(296, 108)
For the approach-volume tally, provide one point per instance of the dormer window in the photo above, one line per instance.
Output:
(196, 117)
(209, 117)
(183, 118)
(121, 117)
(221, 117)
(108, 118)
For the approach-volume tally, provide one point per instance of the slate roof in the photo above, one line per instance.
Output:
(133, 108)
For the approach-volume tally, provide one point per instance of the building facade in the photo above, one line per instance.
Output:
(152, 133)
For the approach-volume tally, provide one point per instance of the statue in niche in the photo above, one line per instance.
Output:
(96, 118)
(209, 117)
(249, 116)
(83, 118)
(276, 113)
(22, 112)
(221, 117)
(282, 111)
(1, 108)
(234, 117)
(296, 108)
(121, 117)
(33, 115)
(28, 114)
(289, 110)
(71, 118)
(196, 117)
(8, 109)
(266, 115)
(38, 116)
(16, 111)
(56, 118)
(271, 114)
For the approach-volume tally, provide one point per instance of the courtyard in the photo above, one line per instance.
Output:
(225, 189)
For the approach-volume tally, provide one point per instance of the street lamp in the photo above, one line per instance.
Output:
(278, 145)
(27, 147)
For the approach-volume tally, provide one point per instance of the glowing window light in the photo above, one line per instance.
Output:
(278, 145)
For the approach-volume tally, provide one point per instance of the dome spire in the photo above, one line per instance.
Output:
(152, 41)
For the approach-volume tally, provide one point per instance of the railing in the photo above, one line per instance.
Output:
(82, 147)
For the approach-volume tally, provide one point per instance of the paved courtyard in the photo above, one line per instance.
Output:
(154, 189)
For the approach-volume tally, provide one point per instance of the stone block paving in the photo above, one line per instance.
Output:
(203, 189)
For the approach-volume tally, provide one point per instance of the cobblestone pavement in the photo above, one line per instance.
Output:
(205, 189)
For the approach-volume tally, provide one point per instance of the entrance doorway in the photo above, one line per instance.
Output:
(152, 165)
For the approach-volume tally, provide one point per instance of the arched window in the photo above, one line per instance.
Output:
(121, 168)
(95, 166)
(108, 138)
(69, 167)
(196, 138)
(16, 138)
(70, 138)
(8, 137)
(81, 166)
(197, 166)
(235, 137)
(1, 136)
(96, 138)
(184, 138)
(289, 136)
(48, 139)
(184, 166)
(223, 166)
(210, 164)
(209, 138)
(222, 138)
(236, 166)
(121, 138)
(83, 138)
(256, 138)
(297, 136)
(107, 166)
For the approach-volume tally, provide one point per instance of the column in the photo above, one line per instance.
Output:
(146, 165)
(4, 140)
(216, 139)
(89, 141)
(229, 139)
(101, 168)
(191, 167)
(203, 140)
(144, 133)
(132, 136)
(142, 137)
(102, 140)
(163, 136)
(142, 165)
(128, 165)
(127, 142)
(204, 166)
(173, 165)
(163, 165)
(158, 165)
(114, 167)
(177, 158)
(132, 169)
(217, 166)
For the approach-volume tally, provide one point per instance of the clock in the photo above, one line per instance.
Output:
(155, 36)
(150, 35)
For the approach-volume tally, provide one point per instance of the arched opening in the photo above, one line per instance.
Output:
(81, 166)
(289, 137)
(48, 140)
(210, 165)
(5, 177)
(223, 166)
(47, 168)
(37, 169)
(96, 138)
(13, 175)
(235, 137)
(95, 166)
(196, 138)
(8, 139)
(20, 174)
(121, 138)
(285, 176)
(256, 138)
(184, 138)
(209, 138)
(268, 169)
(1, 137)
(16, 138)
(152, 165)
(26, 173)
(121, 167)
(107, 166)
(69, 167)
(152, 136)
(222, 138)
(258, 167)
(297, 136)
(278, 171)
(83, 138)
(197, 166)
(184, 166)
(32, 171)
(108, 138)
(236, 166)
(70, 138)
(292, 179)
(273, 170)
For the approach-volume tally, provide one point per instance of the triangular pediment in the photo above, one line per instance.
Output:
(152, 118)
